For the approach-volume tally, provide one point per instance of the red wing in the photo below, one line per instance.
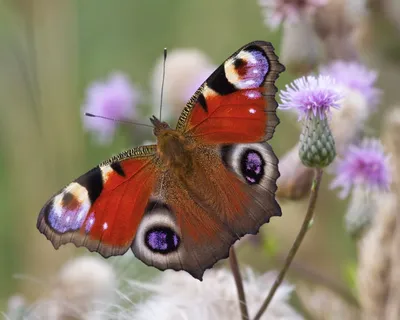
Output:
(237, 102)
(102, 209)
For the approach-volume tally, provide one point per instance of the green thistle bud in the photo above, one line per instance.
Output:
(313, 98)
(317, 145)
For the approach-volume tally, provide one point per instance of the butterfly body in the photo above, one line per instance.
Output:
(174, 149)
(181, 204)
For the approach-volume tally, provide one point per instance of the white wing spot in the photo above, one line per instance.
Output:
(106, 171)
(90, 222)
(252, 94)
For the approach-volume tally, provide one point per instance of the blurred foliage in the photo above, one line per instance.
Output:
(50, 51)
(350, 275)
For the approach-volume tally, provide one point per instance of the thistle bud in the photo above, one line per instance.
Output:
(317, 146)
(313, 98)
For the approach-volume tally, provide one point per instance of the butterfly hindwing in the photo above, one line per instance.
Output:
(237, 102)
(102, 209)
(191, 224)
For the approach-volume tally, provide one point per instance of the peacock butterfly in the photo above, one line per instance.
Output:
(182, 203)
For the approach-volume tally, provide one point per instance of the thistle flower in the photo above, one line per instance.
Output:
(313, 97)
(115, 98)
(275, 11)
(355, 76)
(178, 296)
(365, 165)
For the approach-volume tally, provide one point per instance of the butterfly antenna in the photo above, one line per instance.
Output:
(117, 120)
(163, 80)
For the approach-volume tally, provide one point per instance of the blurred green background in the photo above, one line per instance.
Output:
(50, 51)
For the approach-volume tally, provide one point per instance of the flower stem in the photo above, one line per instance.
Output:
(239, 283)
(296, 245)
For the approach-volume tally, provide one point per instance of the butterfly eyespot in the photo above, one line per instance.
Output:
(248, 69)
(69, 209)
(162, 240)
(252, 166)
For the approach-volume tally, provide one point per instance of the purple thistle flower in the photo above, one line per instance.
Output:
(114, 98)
(355, 76)
(366, 166)
(311, 96)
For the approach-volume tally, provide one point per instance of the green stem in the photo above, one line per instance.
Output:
(239, 283)
(296, 245)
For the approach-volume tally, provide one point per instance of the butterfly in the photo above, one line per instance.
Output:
(182, 203)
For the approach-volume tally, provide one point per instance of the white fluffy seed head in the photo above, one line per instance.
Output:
(16, 306)
(86, 282)
(176, 295)
(84, 288)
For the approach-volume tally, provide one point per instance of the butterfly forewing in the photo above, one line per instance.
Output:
(237, 102)
(102, 209)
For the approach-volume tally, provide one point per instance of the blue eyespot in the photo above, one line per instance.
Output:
(162, 240)
(252, 166)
